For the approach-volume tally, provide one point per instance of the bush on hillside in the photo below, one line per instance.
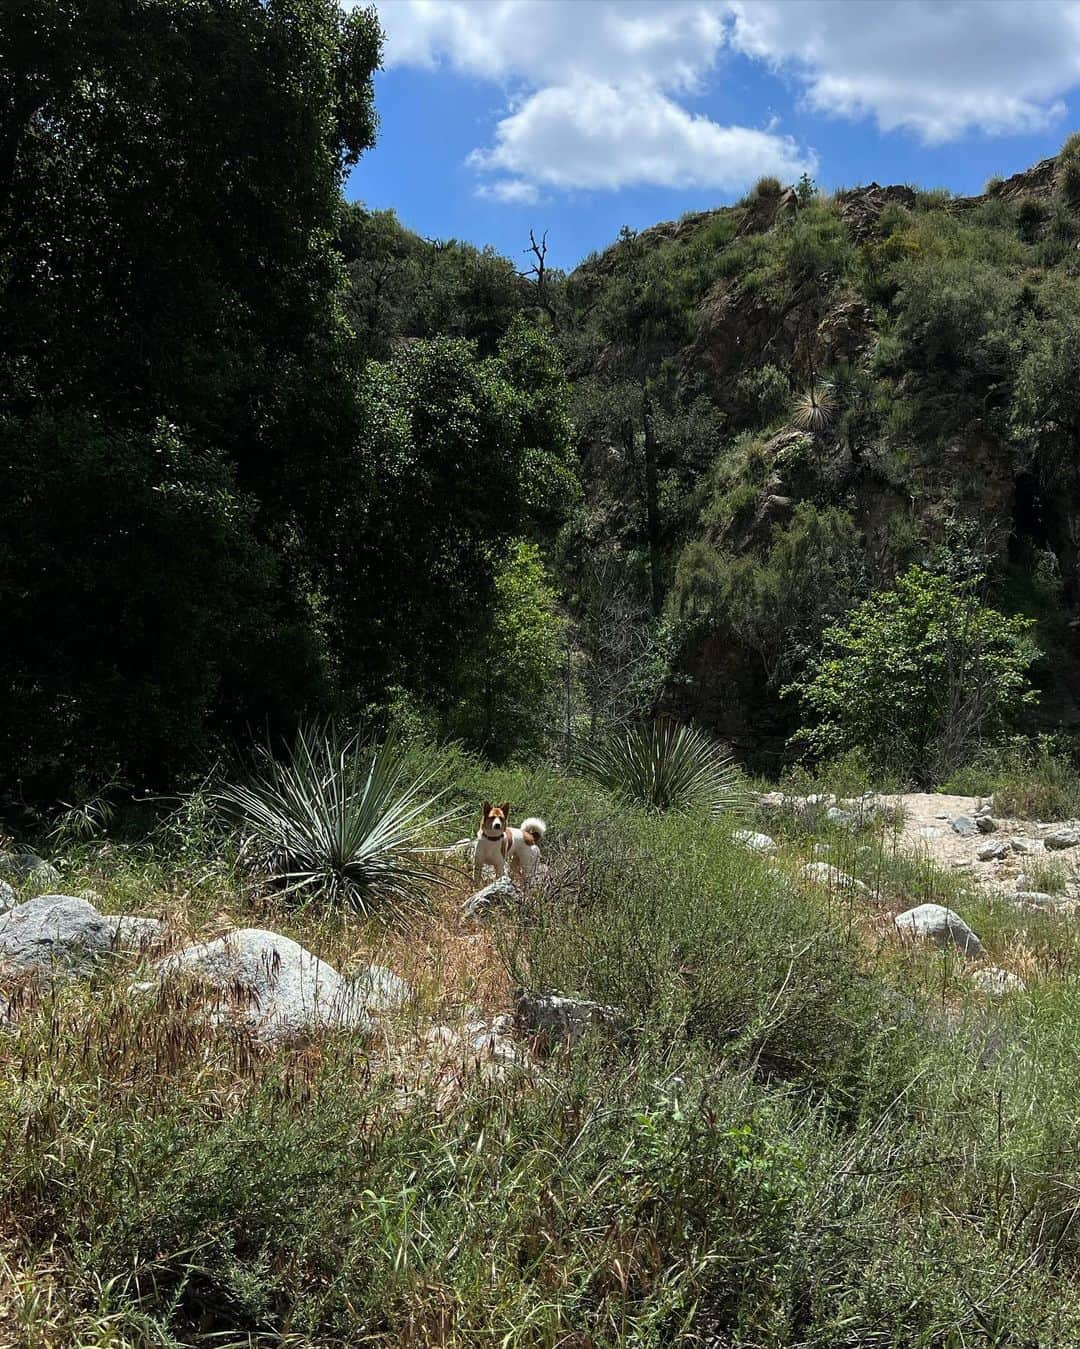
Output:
(918, 677)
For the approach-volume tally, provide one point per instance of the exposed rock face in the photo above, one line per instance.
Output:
(279, 990)
(936, 923)
(53, 932)
(559, 1020)
(1060, 839)
(8, 897)
(861, 207)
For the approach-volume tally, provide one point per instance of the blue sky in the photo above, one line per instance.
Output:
(581, 116)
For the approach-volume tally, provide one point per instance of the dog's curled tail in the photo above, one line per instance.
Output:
(534, 829)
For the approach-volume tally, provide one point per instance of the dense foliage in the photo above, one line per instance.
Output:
(231, 497)
(918, 677)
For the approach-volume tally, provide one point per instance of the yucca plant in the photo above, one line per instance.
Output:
(340, 820)
(815, 409)
(664, 766)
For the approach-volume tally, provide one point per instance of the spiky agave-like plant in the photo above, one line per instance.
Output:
(340, 820)
(815, 409)
(663, 765)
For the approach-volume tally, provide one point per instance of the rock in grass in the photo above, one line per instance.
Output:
(964, 825)
(500, 892)
(131, 932)
(754, 841)
(993, 851)
(275, 987)
(936, 923)
(996, 982)
(1036, 899)
(559, 1020)
(823, 873)
(53, 932)
(8, 897)
(382, 990)
(26, 868)
(1060, 839)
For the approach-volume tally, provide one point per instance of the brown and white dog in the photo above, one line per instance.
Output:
(497, 844)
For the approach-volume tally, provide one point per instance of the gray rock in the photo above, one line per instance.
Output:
(835, 815)
(495, 1040)
(936, 923)
(996, 982)
(993, 851)
(1060, 839)
(27, 869)
(271, 985)
(931, 831)
(500, 892)
(561, 1020)
(1036, 899)
(1024, 846)
(53, 931)
(382, 990)
(754, 841)
(132, 932)
(823, 873)
(965, 826)
(8, 897)
(986, 824)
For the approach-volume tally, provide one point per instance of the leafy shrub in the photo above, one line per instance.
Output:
(340, 821)
(764, 392)
(506, 683)
(917, 677)
(663, 766)
(1068, 180)
(1032, 779)
(775, 605)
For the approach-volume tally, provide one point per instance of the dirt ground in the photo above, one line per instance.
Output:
(927, 829)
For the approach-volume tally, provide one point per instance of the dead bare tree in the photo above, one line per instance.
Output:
(538, 275)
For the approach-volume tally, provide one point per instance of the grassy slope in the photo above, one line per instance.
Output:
(815, 1136)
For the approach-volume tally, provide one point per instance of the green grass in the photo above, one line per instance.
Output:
(811, 1134)
(1036, 780)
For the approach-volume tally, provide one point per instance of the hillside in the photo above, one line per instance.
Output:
(805, 394)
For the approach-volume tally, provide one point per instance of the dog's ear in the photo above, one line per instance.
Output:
(505, 808)
(486, 808)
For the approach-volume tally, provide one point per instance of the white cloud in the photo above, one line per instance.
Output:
(594, 135)
(597, 88)
(669, 42)
(940, 68)
(593, 88)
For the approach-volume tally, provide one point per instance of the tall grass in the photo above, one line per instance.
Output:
(799, 1143)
